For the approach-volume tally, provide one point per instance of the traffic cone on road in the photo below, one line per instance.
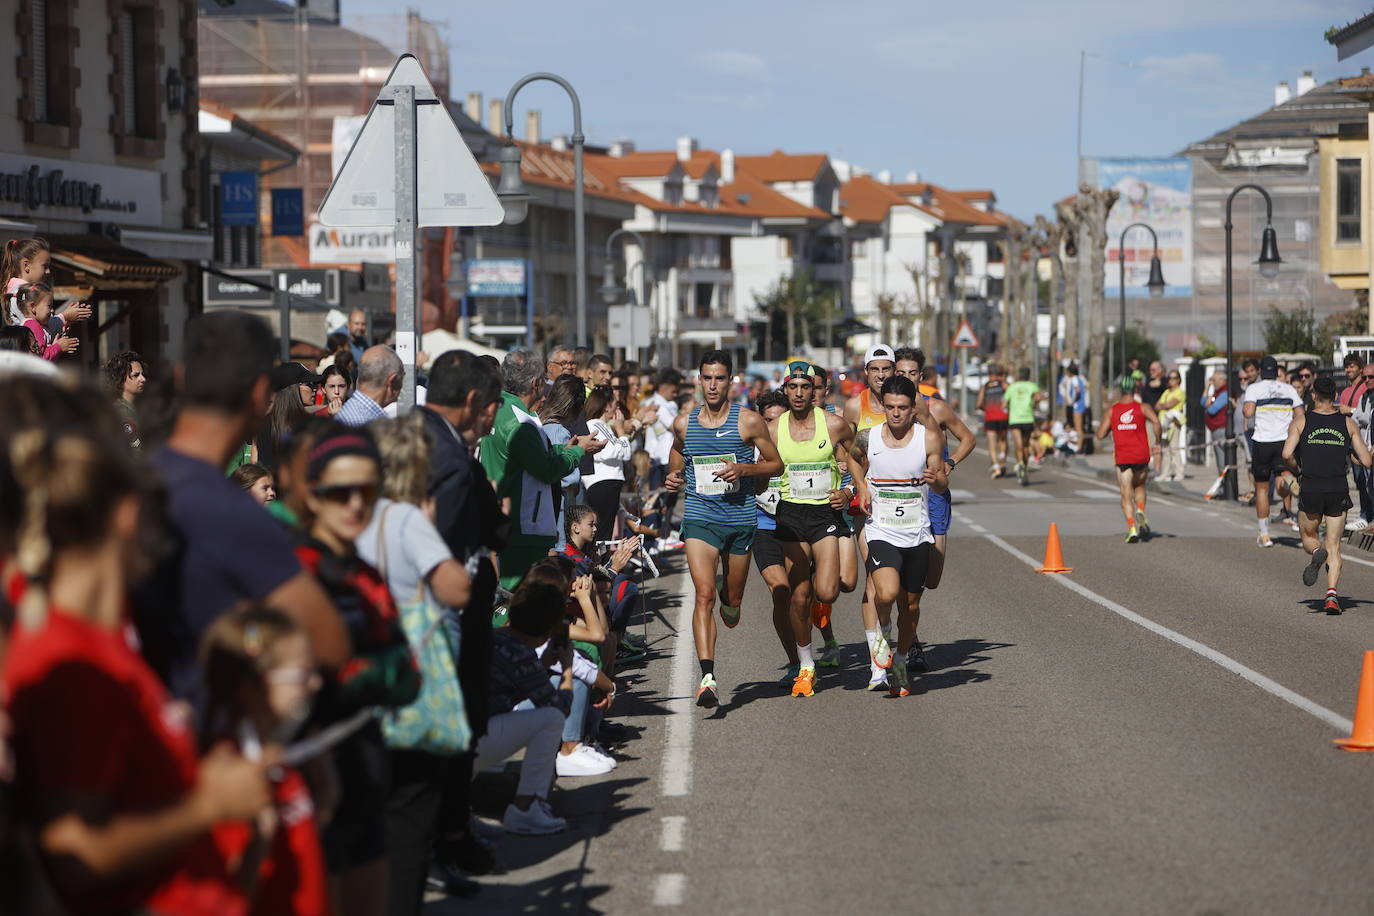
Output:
(1362, 736)
(1054, 556)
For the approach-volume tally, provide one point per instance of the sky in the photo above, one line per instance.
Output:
(968, 94)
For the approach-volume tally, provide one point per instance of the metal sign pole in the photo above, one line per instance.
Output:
(283, 302)
(403, 97)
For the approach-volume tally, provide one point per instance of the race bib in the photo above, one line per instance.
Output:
(705, 468)
(899, 508)
(768, 500)
(809, 481)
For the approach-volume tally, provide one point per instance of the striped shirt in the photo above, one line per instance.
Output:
(359, 410)
(705, 451)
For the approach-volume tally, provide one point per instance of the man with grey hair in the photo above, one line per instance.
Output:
(524, 466)
(560, 362)
(1215, 403)
(380, 376)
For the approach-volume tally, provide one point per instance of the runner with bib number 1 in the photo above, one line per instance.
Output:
(713, 448)
(810, 443)
(896, 466)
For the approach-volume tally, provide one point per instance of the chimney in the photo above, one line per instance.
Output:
(532, 126)
(1306, 83)
(913, 176)
(686, 146)
(559, 142)
(622, 147)
(495, 125)
(1282, 93)
(473, 106)
(727, 166)
(885, 176)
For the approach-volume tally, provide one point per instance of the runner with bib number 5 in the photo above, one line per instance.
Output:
(713, 448)
(810, 443)
(895, 467)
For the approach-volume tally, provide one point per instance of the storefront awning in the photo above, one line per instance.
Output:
(101, 263)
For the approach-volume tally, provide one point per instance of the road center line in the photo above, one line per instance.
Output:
(676, 774)
(674, 831)
(1192, 645)
(669, 889)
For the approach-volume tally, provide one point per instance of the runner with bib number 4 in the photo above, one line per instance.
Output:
(713, 448)
(895, 467)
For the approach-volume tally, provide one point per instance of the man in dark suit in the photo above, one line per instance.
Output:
(464, 394)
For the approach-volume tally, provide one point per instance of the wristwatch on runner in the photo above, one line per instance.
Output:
(951, 462)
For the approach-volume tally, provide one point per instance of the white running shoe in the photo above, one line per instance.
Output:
(536, 820)
(596, 748)
(1356, 524)
(1264, 540)
(877, 678)
(882, 652)
(583, 761)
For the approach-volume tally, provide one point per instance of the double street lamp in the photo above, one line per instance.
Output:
(1155, 284)
(610, 292)
(510, 189)
(1269, 261)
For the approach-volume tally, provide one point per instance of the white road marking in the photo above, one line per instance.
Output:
(674, 830)
(1153, 497)
(669, 889)
(1096, 494)
(1026, 494)
(974, 526)
(1225, 661)
(676, 773)
(956, 493)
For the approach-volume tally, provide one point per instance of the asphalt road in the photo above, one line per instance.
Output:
(1154, 739)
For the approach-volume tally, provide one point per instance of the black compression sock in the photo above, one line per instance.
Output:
(708, 666)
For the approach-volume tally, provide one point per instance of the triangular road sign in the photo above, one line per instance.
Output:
(964, 338)
(451, 189)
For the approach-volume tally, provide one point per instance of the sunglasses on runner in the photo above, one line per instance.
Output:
(343, 493)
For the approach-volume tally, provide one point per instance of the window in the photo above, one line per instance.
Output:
(138, 92)
(48, 72)
(1348, 200)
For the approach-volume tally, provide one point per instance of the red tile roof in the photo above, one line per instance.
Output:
(758, 199)
(947, 204)
(868, 200)
(780, 166)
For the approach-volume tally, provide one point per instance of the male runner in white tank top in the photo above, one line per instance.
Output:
(895, 466)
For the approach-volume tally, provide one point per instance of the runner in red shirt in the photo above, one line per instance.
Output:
(1126, 424)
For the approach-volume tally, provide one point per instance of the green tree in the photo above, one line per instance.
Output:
(1139, 346)
(1295, 331)
(801, 305)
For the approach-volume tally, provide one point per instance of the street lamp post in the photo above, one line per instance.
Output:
(610, 291)
(1269, 261)
(1155, 283)
(511, 188)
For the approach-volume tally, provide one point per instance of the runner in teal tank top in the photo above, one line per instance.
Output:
(713, 449)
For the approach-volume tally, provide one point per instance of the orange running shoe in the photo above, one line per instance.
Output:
(820, 613)
(804, 685)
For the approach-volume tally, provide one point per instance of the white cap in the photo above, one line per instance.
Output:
(881, 351)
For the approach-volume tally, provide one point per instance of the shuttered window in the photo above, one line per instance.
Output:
(38, 53)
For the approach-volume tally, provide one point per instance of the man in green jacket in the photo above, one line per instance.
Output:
(525, 467)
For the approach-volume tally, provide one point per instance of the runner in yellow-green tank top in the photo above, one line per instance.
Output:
(810, 443)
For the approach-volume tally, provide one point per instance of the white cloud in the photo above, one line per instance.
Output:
(735, 63)
(1194, 65)
(753, 100)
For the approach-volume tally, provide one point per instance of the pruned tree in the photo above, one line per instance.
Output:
(1093, 205)
(1052, 234)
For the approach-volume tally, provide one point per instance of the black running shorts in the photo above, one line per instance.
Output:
(995, 426)
(1266, 460)
(1329, 505)
(911, 563)
(809, 524)
(767, 550)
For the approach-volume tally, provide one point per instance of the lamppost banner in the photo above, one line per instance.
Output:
(1157, 192)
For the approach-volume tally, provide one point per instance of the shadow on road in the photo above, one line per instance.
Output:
(560, 893)
(1316, 605)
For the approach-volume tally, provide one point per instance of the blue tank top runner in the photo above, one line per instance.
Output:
(704, 449)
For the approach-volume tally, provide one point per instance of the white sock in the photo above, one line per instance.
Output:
(872, 637)
(1264, 526)
(804, 656)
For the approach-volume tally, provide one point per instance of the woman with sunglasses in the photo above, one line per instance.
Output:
(342, 480)
(1171, 407)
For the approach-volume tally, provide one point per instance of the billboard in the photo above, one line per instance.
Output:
(351, 246)
(496, 276)
(1158, 192)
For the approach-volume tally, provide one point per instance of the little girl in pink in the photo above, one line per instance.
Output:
(35, 304)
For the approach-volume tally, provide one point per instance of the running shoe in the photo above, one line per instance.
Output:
(671, 544)
(877, 679)
(805, 683)
(899, 683)
(729, 615)
(916, 658)
(628, 652)
(1264, 540)
(1132, 535)
(1356, 524)
(789, 676)
(1023, 473)
(1333, 604)
(820, 613)
(537, 820)
(995, 471)
(882, 652)
(1142, 524)
(634, 639)
(1310, 571)
(829, 656)
(706, 692)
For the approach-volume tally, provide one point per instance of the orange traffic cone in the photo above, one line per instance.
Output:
(1362, 736)
(1054, 558)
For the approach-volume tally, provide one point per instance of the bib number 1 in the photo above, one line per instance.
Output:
(809, 481)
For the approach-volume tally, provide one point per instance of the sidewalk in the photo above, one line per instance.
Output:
(1198, 479)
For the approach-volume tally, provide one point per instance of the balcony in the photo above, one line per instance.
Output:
(713, 325)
